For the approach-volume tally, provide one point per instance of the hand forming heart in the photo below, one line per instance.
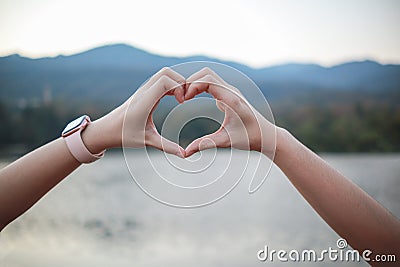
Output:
(243, 126)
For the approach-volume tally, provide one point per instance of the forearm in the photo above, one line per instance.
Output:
(25, 181)
(352, 213)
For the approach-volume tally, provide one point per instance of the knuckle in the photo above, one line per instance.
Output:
(164, 70)
(236, 102)
(209, 78)
(207, 70)
(163, 79)
(164, 82)
(178, 90)
(167, 71)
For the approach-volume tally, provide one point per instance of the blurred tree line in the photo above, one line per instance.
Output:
(353, 128)
(338, 127)
(23, 129)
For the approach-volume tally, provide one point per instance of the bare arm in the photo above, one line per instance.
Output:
(351, 212)
(25, 181)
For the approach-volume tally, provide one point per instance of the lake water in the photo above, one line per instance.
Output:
(99, 217)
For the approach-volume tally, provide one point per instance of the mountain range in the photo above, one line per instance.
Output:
(111, 73)
(351, 107)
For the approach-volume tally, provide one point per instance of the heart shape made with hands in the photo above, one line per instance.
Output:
(242, 127)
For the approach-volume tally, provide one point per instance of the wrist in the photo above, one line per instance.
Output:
(284, 142)
(101, 134)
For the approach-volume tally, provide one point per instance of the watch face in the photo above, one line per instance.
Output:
(73, 125)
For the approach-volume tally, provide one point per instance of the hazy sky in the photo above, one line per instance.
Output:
(254, 32)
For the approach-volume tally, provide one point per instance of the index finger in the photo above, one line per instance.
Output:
(209, 83)
(206, 75)
(178, 92)
(159, 89)
(165, 72)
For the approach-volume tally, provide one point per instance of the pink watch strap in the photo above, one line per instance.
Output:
(78, 148)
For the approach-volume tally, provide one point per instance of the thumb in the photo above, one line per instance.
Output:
(163, 144)
(217, 139)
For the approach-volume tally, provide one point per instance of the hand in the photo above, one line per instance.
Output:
(243, 126)
(131, 124)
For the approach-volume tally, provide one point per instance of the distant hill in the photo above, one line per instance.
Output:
(350, 107)
(111, 73)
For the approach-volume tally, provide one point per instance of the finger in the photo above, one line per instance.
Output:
(220, 105)
(200, 85)
(216, 79)
(217, 139)
(165, 72)
(203, 72)
(166, 145)
(160, 88)
(179, 94)
(153, 109)
(224, 95)
(200, 75)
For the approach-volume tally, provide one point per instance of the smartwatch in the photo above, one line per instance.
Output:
(73, 139)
